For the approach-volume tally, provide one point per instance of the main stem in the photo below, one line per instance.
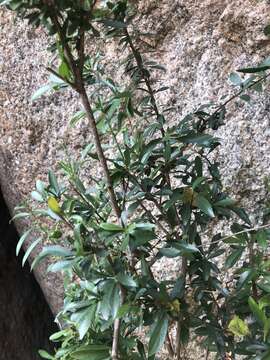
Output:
(180, 320)
(77, 69)
(115, 206)
(100, 152)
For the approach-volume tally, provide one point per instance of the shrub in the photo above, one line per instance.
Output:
(159, 192)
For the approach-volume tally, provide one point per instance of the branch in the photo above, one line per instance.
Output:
(169, 345)
(183, 271)
(61, 77)
(100, 152)
(237, 95)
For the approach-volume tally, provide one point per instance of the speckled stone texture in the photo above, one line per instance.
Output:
(199, 42)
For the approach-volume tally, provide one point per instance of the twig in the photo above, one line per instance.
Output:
(169, 345)
(183, 271)
(237, 233)
(61, 77)
(146, 79)
(237, 95)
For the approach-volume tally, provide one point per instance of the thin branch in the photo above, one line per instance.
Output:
(100, 152)
(237, 233)
(183, 271)
(54, 18)
(169, 345)
(237, 95)
(61, 77)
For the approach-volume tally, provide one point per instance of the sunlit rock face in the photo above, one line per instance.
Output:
(26, 321)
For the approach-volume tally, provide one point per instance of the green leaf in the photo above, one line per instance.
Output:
(205, 206)
(45, 355)
(238, 327)
(266, 30)
(84, 319)
(253, 70)
(142, 237)
(244, 278)
(170, 252)
(111, 227)
(76, 117)
(21, 241)
(245, 98)
(126, 309)
(37, 196)
(93, 352)
(54, 250)
(20, 216)
(258, 313)
(262, 237)
(40, 186)
(30, 249)
(114, 24)
(266, 329)
(110, 302)
(198, 182)
(233, 258)
(225, 202)
(178, 290)
(53, 183)
(41, 91)
(199, 139)
(64, 70)
(58, 335)
(126, 280)
(61, 265)
(235, 79)
(158, 333)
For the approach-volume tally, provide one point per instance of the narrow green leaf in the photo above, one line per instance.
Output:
(244, 278)
(21, 241)
(170, 252)
(53, 182)
(126, 280)
(61, 265)
(233, 258)
(111, 227)
(266, 30)
(37, 196)
(84, 319)
(45, 355)
(258, 313)
(114, 24)
(93, 352)
(158, 333)
(54, 250)
(30, 249)
(20, 216)
(235, 79)
(41, 91)
(205, 206)
(253, 70)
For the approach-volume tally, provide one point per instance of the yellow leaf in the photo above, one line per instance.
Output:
(187, 195)
(54, 205)
(190, 196)
(238, 327)
(176, 305)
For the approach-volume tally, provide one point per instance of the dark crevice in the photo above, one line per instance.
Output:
(26, 321)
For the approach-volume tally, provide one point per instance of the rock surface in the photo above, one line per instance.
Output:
(199, 42)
